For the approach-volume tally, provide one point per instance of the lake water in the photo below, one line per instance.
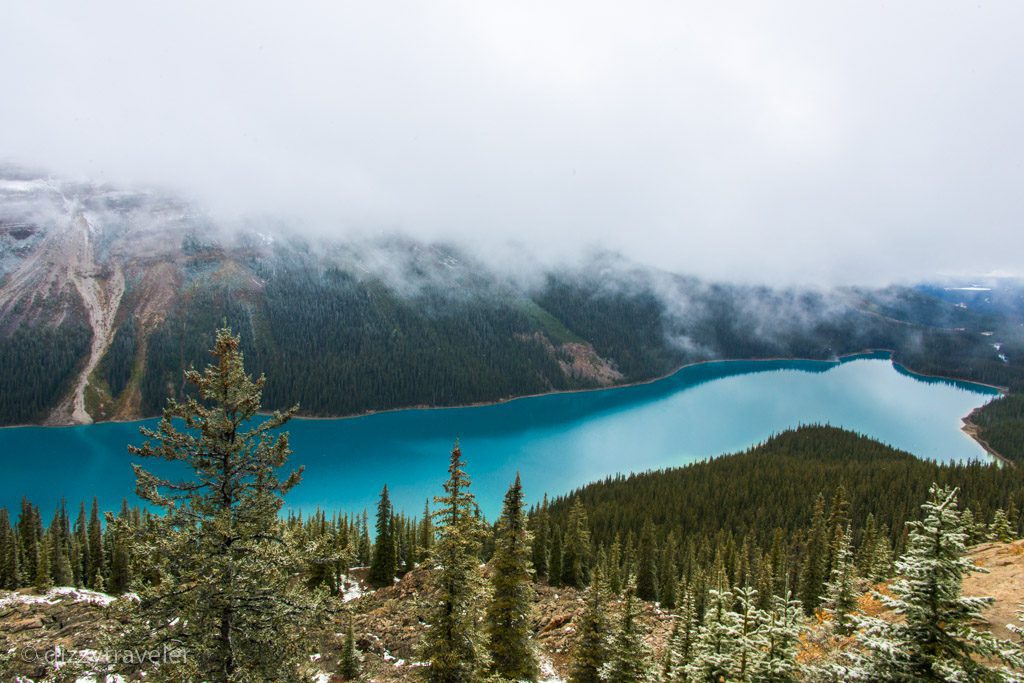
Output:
(557, 442)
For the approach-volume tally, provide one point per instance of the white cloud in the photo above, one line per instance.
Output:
(793, 141)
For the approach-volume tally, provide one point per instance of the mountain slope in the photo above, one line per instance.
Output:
(107, 295)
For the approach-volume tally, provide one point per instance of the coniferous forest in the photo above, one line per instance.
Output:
(749, 555)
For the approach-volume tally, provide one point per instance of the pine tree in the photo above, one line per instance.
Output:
(384, 565)
(936, 640)
(646, 568)
(629, 658)
(508, 614)
(225, 590)
(593, 638)
(454, 645)
(840, 597)
(576, 548)
(350, 662)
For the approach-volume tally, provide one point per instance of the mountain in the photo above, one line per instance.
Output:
(107, 295)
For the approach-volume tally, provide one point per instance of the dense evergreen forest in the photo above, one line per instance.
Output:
(340, 332)
(1001, 425)
(742, 549)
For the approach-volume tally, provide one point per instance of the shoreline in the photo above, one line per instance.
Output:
(973, 430)
(555, 392)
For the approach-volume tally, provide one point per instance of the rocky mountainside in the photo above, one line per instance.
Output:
(107, 295)
(389, 622)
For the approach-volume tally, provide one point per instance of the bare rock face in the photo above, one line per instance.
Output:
(64, 625)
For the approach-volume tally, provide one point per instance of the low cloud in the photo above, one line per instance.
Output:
(784, 143)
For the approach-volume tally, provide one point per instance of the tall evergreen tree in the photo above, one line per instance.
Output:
(541, 524)
(782, 638)
(647, 566)
(593, 637)
(713, 652)
(10, 576)
(350, 662)
(508, 614)
(936, 640)
(576, 548)
(384, 565)
(815, 561)
(629, 659)
(425, 533)
(840, 596)
(454, 646)
(680, 647)
(749, 642)
(225, 590)
(94, 576)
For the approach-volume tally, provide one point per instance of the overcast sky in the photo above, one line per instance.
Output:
(783, 141)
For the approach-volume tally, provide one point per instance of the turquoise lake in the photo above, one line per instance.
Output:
(557, 441)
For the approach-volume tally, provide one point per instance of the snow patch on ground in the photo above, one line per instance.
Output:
(57, 595)
(350, 589)
(548, 673)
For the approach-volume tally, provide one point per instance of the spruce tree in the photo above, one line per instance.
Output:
(508, 614)
(647, 568)
(629, 658)
(576, 548)
(936, 639)
(350, 662)
(96, 570)
(454, 646)
(43, 575)
(840, 596)
(555, 559)
(782, 637)
(613, 572)
(679, 650)
(749, 642)
(80, 560)
(425, 533)
(668, 572)
(384, 565)
(593, 638)
(225, 587)
(713, 652)
(541, 523)
(9, 570)
(815, 561)
(1000, 529)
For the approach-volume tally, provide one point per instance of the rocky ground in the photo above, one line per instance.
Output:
(388, 622)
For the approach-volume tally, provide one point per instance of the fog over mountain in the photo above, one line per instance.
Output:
(787, 142)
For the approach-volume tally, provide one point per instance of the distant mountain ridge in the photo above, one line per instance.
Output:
(107, 295)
